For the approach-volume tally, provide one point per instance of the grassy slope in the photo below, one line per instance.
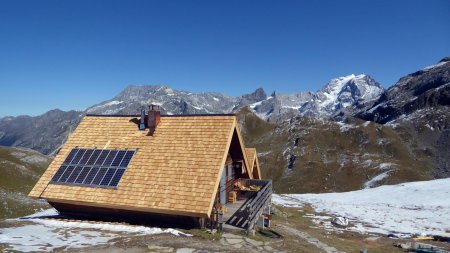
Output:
(19, 169)
(329, 158)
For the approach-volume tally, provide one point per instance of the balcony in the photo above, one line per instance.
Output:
(250, 204)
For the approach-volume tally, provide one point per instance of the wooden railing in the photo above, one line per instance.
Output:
(257, 202)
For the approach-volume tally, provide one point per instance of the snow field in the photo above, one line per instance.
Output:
(404, 209)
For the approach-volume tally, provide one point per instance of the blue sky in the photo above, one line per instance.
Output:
(72, 54)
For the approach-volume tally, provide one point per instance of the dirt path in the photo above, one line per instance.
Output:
(310, 239)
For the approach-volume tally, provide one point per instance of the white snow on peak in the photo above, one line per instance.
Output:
(336, 95)
(434, 66)
(336, 86)
(252, 106)
(404, 209)
(169, 91)
(110, 103)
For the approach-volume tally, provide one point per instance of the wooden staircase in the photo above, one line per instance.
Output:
(247, 215)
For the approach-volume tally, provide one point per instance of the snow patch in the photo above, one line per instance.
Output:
(434, 66)
(372, 182)
(252, 106)
(385, 166)
(344, 126)
(286, 200)
(114, 102)
(404, 209)
(36, 233)
(264, 153)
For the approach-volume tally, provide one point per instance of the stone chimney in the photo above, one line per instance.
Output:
(154, 116)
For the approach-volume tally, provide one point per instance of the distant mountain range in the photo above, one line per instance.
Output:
(45, 133)
(415, 110)
(334, 97)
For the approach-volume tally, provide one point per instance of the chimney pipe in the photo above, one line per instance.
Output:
(142, 124)
(154, 115)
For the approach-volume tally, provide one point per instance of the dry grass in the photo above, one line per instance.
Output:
(18, 175)
(347, 241)
(329, 158)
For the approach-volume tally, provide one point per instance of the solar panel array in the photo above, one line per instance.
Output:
(93, 167)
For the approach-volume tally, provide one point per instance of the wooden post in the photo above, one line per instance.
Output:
(202, 223)
(220, 221)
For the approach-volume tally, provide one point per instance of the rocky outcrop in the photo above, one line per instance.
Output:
(426, 88)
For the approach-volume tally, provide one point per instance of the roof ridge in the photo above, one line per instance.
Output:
(162, 115)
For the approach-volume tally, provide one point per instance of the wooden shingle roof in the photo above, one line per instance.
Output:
(253, 162)
(175, 171)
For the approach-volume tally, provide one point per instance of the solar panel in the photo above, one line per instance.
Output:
(74, 175)
(66, 174)
(78, 156)
(126, 159)
(93, 167)
(72, 153)
(98, 178)
(109, 159)
(86, 156)
(116, 178)
(59, 173)
(90, 176)
(108, 176)
(94, 157)
(118, 158)
(84, 172)
(102, 157)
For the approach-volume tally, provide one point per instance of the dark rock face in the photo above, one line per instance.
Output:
(420, 101)
(43, 133)
(258, 95)
(443, 155)
(445, 59)
(423, 89)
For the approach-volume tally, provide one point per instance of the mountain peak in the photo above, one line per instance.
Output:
(346, 91)
(445, 59)
(259, 94)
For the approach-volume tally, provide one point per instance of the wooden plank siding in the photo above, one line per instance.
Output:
(253, 162)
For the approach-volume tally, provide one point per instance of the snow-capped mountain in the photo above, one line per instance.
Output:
(279, 106)
(133, 98)
(337, 95)
(346, 91)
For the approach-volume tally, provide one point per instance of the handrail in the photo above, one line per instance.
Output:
(258, 201)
